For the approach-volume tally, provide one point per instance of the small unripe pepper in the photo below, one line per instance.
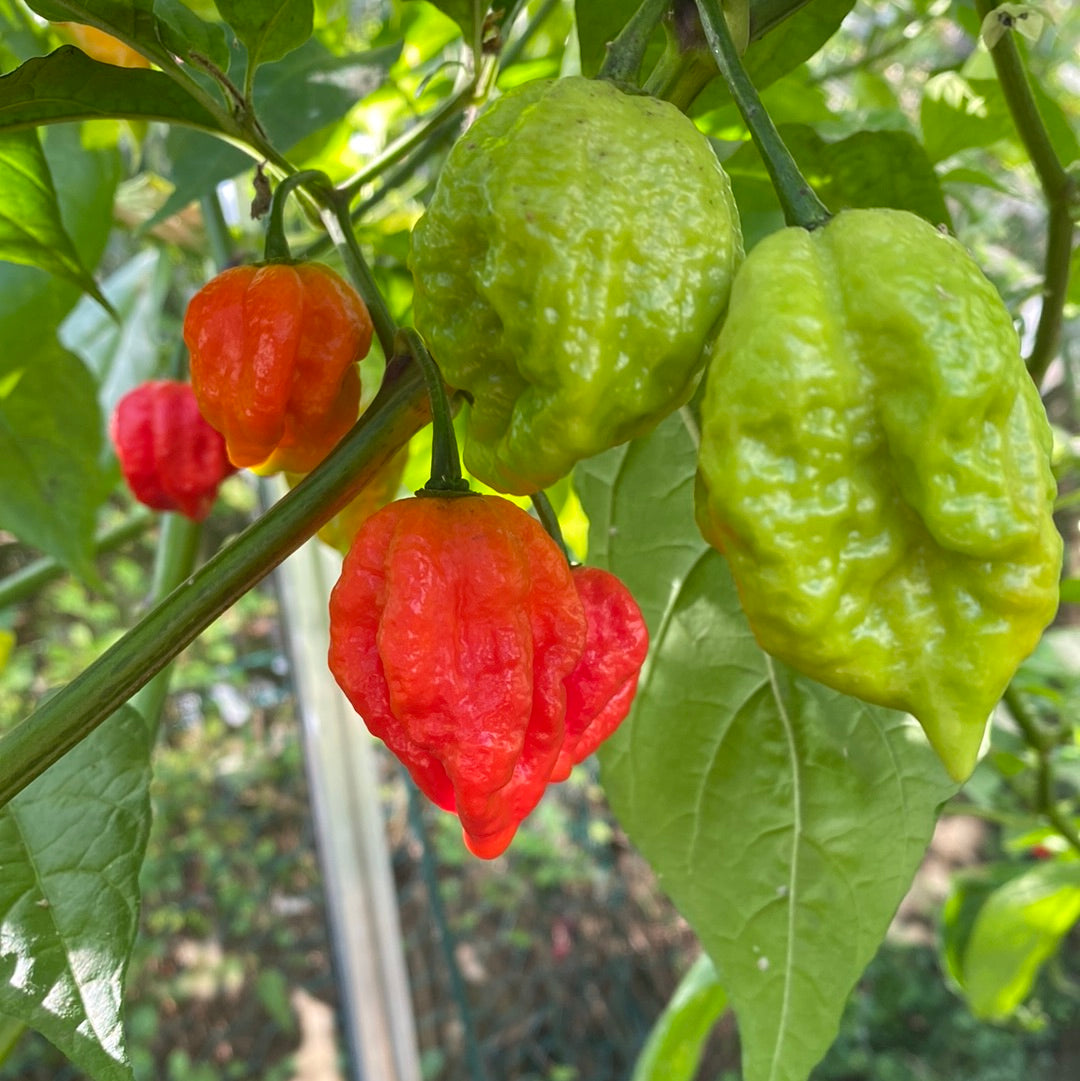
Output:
(453, 629)
(601, 688)
(273, 361)
(170, 457)
(875, 467)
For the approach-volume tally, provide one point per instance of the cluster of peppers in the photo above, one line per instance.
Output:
(874, 459)
(460, 630)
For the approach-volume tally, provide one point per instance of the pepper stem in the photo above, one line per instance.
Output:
(277, 247)
(550, 521)
(801, 206)
(625, 54)
(445, 463)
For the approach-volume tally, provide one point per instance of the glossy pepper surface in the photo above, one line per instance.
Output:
(875, 466)
(274, 353)
(453, 628)
(601, 688)
(575, 258)
(170, 457)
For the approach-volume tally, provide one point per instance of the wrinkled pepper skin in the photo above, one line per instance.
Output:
(452, 630)
(273, 361)
(576, 257)
(170, 457)
(601, 688)
(875, 467)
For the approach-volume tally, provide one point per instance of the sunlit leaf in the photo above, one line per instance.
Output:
(784, 819)
(31, 230)
(71, 845)
(268, 29)
(50, 443)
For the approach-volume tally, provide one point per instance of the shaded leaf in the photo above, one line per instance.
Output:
(677, 1040)
(269, 29)
(784, 819)
(71, 845)
(31, 230)
(50, 481)
(954, 117)
(867, 169)
(183, 33)
(68, 85)
(598, 22)
(794, 40)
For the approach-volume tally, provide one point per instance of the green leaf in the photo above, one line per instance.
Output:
(122, 355)
(867, 169)
(32, 303)
(794, 40)
(1018, 928)
(677, 1040)
(50, 443)
(185, 34)
(268, 29)
(598, 22)
(785, 820)
(954, 117)
(68, 85)
(308, 90)
(71, 845)
(31, 230)
(468, 14)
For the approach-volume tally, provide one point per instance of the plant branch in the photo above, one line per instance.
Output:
(335, 216)
(26, 751)
(1042, 743)
(801, 206)
(622, 64)
(1060, 190)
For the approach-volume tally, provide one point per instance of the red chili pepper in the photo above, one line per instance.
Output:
(170, 457)
(453, 628)
(600, 690)
(273, 361)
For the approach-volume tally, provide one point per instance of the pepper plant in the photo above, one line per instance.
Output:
(874, 486)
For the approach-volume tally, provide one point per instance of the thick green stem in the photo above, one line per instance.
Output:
(178, 549)
(550, 521)
(398, 412)
(622, 64)
(23, 584)
(404, 145)
(276, 249)
(801, 206)
(1059, 190)
(445, 461)
(335, 216)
